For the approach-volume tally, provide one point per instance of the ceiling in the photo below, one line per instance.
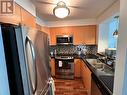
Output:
(79, 9)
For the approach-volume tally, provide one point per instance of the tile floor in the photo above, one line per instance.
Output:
(69, 87)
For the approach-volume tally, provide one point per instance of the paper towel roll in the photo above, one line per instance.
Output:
(60, 63)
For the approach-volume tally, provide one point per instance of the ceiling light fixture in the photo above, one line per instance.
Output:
(61, 10)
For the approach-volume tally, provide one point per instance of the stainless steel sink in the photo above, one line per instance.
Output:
(98, 65)
(100, 68)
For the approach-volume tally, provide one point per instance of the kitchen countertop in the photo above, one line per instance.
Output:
(105, 79)
(82, 56)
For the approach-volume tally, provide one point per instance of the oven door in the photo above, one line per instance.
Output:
(64, 68)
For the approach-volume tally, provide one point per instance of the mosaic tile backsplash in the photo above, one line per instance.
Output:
(73, 49)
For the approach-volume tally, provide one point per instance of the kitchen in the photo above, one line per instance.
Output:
(84, 49)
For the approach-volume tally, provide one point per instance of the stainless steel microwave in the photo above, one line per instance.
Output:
(64, 39)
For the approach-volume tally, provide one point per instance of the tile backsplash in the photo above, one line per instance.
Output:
(73, 49)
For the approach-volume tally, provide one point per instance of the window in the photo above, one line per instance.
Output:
(112, 43)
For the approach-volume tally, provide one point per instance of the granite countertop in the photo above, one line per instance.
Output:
(76, 56)
(105, 76)
(82, 56)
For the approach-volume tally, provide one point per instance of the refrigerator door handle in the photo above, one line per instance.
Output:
(33, 83)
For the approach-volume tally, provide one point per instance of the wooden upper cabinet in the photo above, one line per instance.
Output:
(85, 34)
(14, 18)
(46, 30)
(81, 34)
(38, 27)
(20, 15)
(43, 29)
(28, 19)
(59, 31)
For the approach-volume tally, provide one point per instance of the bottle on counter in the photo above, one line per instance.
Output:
(55, 52)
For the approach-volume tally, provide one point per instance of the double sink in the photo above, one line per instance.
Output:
(104, 73)
(100, 68)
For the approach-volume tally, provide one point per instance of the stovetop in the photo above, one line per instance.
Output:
(64, 57)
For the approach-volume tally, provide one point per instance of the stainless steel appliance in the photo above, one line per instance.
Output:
(25, 61)
(37, 54)
(64, 66)
(64, 39)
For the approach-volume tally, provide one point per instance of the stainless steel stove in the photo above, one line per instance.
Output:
(64, 66)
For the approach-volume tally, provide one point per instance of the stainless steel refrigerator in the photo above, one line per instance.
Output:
(25, 61)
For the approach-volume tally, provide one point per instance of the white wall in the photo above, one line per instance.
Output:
(120, 87)
(125, 78)
(40, 21)
(110, 12)
(27, 5)
(78, 22)
(103, 25)
(103, 37)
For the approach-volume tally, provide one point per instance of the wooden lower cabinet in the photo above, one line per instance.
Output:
(28, 19)
(52, 65)
(77, 70)
(94, 89)
(86, 77)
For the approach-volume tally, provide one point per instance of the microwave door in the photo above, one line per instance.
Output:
(64, 39)
(32, 72)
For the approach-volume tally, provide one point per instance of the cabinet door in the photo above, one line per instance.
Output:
(28, 19)
(54, 31)
(85, 35)
(94, 89)
(14, 18)
(52, 65)
(81, 34)
(86, 76)
(38, 27)
(46, 30)
(77, 69)
(82, 67)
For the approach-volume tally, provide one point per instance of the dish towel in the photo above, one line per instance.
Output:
(60, 63)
